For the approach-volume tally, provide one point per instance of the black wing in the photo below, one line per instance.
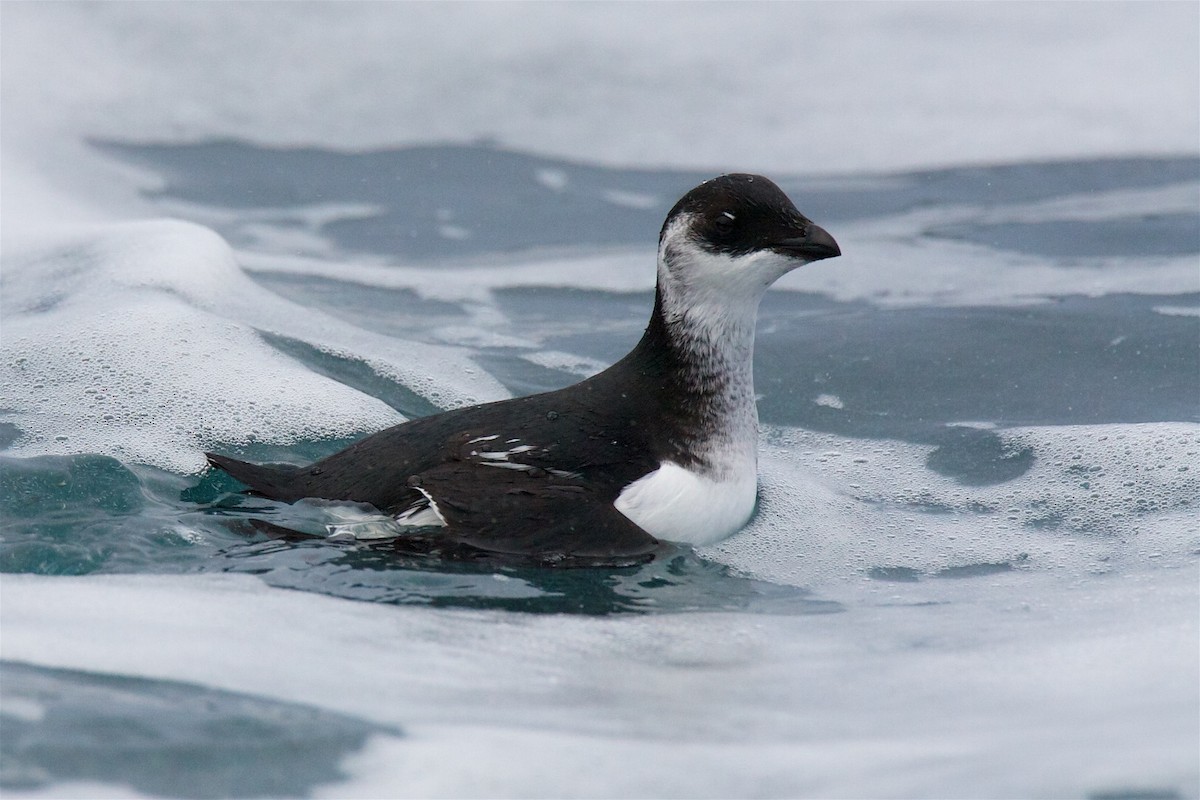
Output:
(535, 476)
(523, 511)
(499, 508)
(548, 431)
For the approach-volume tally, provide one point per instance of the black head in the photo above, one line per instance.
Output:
(739, 214)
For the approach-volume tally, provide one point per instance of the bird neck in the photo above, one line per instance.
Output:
(698, 364)
(711, 345)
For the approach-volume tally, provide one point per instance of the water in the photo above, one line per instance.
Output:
(973, 568)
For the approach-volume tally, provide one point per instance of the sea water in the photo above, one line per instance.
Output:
(973, 567)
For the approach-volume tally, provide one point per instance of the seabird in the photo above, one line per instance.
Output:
(659, 446)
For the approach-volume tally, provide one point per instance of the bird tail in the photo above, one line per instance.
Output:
(274, 481)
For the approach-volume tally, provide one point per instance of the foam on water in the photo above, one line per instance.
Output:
(1090, 502)
(922, 271)
(936, 245)
(146, 341)
(896, 697)
(571, 82)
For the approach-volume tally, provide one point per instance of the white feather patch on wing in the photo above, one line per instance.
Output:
(423, 514)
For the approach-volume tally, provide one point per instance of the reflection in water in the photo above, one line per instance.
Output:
(677, 580)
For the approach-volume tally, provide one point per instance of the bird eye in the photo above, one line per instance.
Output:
(723, 223)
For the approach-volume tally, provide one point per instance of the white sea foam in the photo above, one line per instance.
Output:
(1178, 311)
(1092, 502)
(920, 270)
(141, 341)
(794, 87)
(624, 270)
(971, 688)
(582, 366)
(925, 271)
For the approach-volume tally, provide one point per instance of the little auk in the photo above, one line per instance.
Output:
(659, 446)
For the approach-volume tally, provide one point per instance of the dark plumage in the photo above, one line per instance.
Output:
(538, 476)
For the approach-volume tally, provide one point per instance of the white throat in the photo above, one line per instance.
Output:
(709, 307)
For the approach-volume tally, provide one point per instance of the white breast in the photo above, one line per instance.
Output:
(678, 505)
